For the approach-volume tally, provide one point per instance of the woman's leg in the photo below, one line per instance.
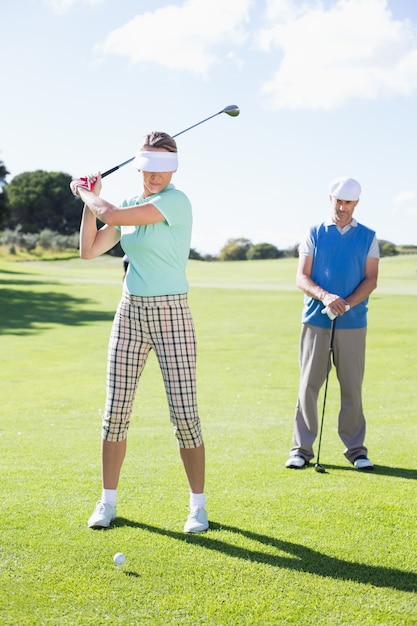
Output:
(127, 354)
(193, 460)
(112, 457)
(175, 347)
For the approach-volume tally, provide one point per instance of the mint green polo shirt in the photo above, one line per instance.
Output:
(158, 253)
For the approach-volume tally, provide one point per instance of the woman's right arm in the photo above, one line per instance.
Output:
(93, 241)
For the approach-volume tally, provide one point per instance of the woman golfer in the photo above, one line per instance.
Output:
(154, 230)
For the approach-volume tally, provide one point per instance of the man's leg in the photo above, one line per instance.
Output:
(349, 353)
(314, 356)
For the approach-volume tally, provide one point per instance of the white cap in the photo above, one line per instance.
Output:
(156, 161)
(345, 189)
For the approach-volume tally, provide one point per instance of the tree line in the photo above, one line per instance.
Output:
(38, 207)
(38, 200)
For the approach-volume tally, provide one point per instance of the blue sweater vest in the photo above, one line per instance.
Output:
(338, 266)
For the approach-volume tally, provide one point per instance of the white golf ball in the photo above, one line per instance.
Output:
(119, 558)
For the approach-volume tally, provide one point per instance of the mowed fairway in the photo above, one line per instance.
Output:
(285, 547)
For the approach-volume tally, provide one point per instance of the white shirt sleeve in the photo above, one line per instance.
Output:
(373, 251)
(306, 247)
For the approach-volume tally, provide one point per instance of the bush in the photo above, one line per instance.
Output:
(263, 251)
(386, 248)
(46, 240)
(235, 250)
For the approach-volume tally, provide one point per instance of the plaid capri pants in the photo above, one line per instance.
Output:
(164, 324)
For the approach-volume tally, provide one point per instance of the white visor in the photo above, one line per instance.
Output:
(156, 161)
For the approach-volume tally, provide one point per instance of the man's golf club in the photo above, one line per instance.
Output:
(320, 468)
(231, 110)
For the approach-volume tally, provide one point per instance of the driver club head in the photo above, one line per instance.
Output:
(232, 110)
(320, 468)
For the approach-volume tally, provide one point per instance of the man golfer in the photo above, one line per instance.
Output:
(337, 271)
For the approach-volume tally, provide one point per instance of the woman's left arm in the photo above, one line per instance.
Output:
(108, 213)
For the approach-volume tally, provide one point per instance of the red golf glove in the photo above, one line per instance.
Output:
(80, 182)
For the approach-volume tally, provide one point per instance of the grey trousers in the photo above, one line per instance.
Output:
(349, 362)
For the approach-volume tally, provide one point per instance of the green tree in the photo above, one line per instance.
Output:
(4, 205)
(386, 248)
(40, 200)
(235, 250)
(194, 254)
(263, 251)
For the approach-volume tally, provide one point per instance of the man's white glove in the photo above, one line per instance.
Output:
(330, 315)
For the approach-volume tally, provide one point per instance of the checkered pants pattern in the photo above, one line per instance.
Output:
(164, 324)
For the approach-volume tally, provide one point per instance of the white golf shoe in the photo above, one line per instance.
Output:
(103, 515)
(363, 464)
(296, 462)
(197, 521)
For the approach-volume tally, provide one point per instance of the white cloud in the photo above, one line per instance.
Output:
(284, 11)
(405, 203)
(404, 197)
(62, 6)
(185, 37)
(352, 50)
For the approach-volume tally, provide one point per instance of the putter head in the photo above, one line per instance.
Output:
(232, 110)
(320, 468)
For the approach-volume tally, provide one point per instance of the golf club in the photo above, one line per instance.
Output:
(320, 468)
(231, 110)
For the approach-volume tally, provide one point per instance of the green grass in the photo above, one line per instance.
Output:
(285, 547)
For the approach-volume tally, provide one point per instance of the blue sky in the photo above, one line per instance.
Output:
(325, 88)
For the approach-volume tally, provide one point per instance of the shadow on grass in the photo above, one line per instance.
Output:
(25, 312)
(383, 470)
(300, 558)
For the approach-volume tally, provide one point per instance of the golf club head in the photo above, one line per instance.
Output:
(320, 468)
(232, 110)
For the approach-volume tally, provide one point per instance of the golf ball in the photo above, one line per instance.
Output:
(119, 558)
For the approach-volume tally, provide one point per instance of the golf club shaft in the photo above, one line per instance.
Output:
(198, 124)
(230, 110)
(329, 366)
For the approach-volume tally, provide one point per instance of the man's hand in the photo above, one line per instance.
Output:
(335, 303)
(331, 315)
